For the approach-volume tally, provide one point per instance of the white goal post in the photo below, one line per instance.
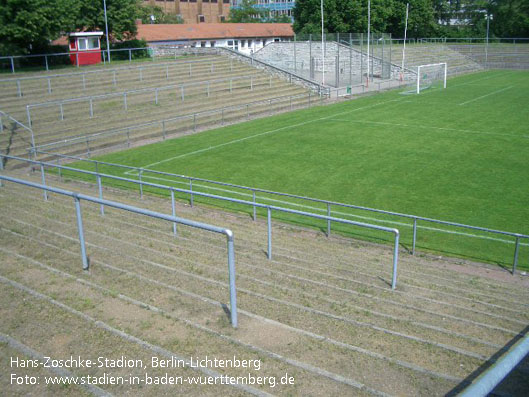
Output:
(428, 74)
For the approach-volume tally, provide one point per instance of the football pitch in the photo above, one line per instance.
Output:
(459, 154)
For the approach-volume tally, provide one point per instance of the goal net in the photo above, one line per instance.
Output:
(432, 75)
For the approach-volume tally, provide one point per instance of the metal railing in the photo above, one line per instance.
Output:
(141, 211)
(86, 139)
(254, 204)
(188, 180)
(145, 54)
(489, 379)
(113, 74)
(253, 81)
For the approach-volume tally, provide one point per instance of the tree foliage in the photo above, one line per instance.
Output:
(144, 13)
(246, 12)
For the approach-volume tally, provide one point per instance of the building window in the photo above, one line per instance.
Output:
(82, 44)
(202, 44)
(212, 44)
(230, 43)
(93, 43)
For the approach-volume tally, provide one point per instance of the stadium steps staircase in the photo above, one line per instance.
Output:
(321, 310)
(48, 128)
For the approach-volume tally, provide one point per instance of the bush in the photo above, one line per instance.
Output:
(124, 55)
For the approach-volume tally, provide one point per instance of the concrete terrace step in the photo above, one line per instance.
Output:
(361, 319)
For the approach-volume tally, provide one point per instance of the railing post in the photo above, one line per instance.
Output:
(43, 177)
(254, 207)
(269, 223)
(80, 230)
(100, 187)
(128, 137)
(173, 210)
(516, 248)
(328, 220)
(130, 55)
(61, 109)
(125, 101)
(395, 260)
(231, 271)
(163, 129)
(49, 85)
(414, 236)
(190, 192)
(183, 95)
(59, 168)
(156, 96)
(194, 122)
(87, 147)
(19, 89)
(141, 184)
(12, 65)
(91, 107)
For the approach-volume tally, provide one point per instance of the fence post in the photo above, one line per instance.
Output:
(254, 208)
(156, 96)
(163, 129)
(19, 89)
(125, 101)
(515, 261)
(43, 177)
(248, 111)
(141, 184)
(395, 260)
(91, 107)
(328, 220)
(80, 230)
(173, 210)
(49, 85)
(194, 122)
(100, 187)
(130, 55)
(231, 271)
(414, 236)
(269, 224)
(183, 95)
(46, 62)
(191, 192)
(12, 65)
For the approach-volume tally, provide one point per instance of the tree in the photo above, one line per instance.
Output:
(145, 12)
(350, 16)
(27, 25)
(246, 12)
(121, 15)
(511, 18)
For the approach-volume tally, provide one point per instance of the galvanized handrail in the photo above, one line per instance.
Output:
(489, 379)
(153, 214)
(253, 204)
(155, 90)
(101, 71)
(75, 139)
(328, 203)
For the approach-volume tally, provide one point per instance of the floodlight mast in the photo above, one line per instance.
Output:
(322, 47)
(106, 29)
(404, 47)
(368, 37)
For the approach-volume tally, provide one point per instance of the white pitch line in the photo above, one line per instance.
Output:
(486, 95)
(433, 128)
(265, 133)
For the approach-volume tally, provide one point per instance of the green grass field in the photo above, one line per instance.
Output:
(458, 154)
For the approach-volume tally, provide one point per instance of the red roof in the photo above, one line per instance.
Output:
(195, 31)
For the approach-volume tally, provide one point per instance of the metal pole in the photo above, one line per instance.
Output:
(80, 230)
(414, 236)
(515, 261)
(254, 208)
(43, 176)
(173, 210)
(19, 90)
(100, 187)
(46, 62)
(231, 271)
(404, 47)
(91, 107)
(141, 184)
(130, 55)
(106, 29)
(191, 192)
(49, 85)
(368, 36)
(322, 46)
(395, 260)
(12, 65)
(269, 222)
(328, 220)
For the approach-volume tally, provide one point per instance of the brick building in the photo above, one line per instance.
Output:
(195, 11)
